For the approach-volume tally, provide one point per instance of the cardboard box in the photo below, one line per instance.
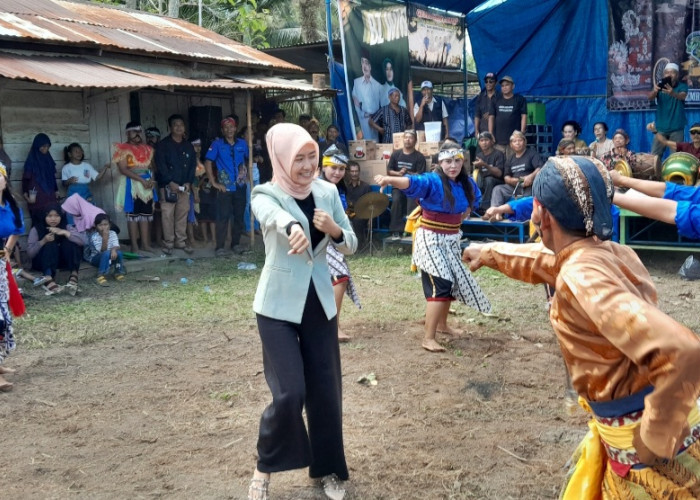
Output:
(398, 140)
(429, 148)
(370, 168)
(362, 150)
(421, 135)
(383, 151)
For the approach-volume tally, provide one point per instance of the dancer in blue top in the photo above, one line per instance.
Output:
(668, 202)
(446, 196)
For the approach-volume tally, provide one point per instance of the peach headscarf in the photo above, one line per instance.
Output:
(284, 141)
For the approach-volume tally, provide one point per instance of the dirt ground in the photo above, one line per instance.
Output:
(175, 415)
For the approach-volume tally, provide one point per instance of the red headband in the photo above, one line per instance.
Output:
(229, 120)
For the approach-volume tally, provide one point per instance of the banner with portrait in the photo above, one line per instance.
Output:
(645, 35)
(435, 40)
(374, 37)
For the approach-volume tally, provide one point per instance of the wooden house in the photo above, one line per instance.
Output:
(79, 72)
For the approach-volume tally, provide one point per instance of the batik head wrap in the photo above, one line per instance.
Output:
(577, 191)
(41, 166)
(333, 156)
(284, 141)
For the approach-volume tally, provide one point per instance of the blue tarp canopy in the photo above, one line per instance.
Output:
(556, 51)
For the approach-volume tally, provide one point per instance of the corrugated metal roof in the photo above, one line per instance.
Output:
(90, 25)
(80, 72)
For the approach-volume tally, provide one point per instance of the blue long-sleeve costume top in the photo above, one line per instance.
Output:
(428, 189)
(7, 222)
(688, 209)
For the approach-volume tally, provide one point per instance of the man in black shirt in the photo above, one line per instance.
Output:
(482, 106)
(508, 114)
(354, 190)
(176, 161)
(405, 161)
(490, 163)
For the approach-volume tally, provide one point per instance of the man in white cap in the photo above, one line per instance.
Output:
(430, 109)
(669, 94)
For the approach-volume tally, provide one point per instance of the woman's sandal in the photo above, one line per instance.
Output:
(72, 285)
(331, 488)
(52, 288)
(101, 281)
(259, 489)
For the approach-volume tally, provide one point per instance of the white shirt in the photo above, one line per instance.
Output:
(83, 171)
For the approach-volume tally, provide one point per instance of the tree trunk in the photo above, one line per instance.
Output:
(309, 19)
(173, 8)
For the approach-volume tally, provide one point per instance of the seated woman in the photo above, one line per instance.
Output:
(566, 147)
(602, 145)
(619, 151)
(51, 246)
(571, 130)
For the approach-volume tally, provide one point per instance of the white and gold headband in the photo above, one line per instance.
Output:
(457, 154)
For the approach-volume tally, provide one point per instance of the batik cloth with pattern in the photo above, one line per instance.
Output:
(616, 343)
(7, 338)
(436, 247)
(132, 197)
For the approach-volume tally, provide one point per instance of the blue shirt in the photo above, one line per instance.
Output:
(227, 158)
(688, 209)
(522, 209)
(7, 222)
(428, 188)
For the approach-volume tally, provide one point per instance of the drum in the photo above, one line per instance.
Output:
(623, 167)
(681, 168)
(646, 166)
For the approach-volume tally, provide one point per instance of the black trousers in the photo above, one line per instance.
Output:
(302, 368)
(230, 207)
(60, 253)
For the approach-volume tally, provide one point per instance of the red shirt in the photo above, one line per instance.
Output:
(687, 147)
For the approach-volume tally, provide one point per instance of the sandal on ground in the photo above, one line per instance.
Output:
(4, 370)
(41, 280)
(331, 488)
(259, 489)
(101, 281)
(52, 288)
(343, 337)
(72, 285)
(120, 277)
(167, 250)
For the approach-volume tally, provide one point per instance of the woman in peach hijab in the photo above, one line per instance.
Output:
(296, 313)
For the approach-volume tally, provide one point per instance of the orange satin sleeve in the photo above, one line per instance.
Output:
(531, 262)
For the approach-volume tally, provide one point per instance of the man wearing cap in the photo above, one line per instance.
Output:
(692, 147)
(482, 106)
(391, 118)
(366, 96)
(430, 109)
(636, 369)
(333, 137)
(669, 94)
(403, 162)
(508, 113)
(490, 164)
(230, 157)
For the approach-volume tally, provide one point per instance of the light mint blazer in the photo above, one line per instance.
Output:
(284, 281)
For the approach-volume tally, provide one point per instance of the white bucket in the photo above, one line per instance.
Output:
(432, 131)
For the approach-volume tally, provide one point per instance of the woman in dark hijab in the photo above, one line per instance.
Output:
(39, 179)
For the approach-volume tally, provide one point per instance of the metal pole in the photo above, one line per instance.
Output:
(200, 13)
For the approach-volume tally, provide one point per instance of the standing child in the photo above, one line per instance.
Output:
(103, 252)
(206, 194)
(446, 196)
(77, 174)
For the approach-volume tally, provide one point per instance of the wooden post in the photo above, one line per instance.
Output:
(249, 139)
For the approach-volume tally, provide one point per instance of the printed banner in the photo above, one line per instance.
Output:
(374, 36)
(435, 40)
(646, 35)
